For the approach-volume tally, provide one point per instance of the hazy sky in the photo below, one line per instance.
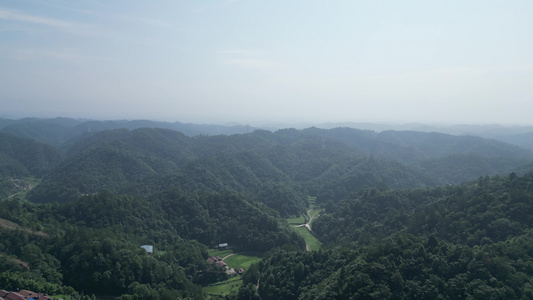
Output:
(254, 61)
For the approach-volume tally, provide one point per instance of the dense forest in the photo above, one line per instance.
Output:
(472, 241)
(406, 215)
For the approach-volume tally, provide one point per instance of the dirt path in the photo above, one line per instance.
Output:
(13, 226)
(223, 258)
(308, 223)
(19, 262)
(310, 219)
(308, 226)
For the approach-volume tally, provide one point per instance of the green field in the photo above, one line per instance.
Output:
(220, 253)
(312, 242)
(241, 261)
(227, 287)
(296, 221)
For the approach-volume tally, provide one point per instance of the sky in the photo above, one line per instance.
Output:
(251, 61)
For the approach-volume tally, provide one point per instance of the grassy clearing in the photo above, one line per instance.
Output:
(241, 261)
(227, 287)
(33, 181)
(312, 242)
(312, 202)
(297, 221)
(315, 212)
(219, 253)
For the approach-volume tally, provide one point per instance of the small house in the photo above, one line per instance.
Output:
(221, 264)
(28, 294)
(230, 272)
(149, 249)
(14, 296)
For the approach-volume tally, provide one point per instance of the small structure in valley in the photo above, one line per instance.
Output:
(230, 271)
(222, 246)
(221, 264)
(214, 259)
(149, 249)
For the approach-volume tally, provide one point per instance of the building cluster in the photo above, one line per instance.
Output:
(21, 185)
(23, 295)
(219, 262)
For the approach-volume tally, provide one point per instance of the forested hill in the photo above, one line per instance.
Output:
(472, 241)
(20, 158)
(24, 157)
(486, 211)
(411, 146)
(328, 163)
(386, 234)
(92, 244)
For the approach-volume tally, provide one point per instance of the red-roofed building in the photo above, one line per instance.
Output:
(28, 294)
(14, 296)
(221, 264)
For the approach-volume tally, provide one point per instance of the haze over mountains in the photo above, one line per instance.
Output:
(57, 130)
(331, 163)
(323, 149)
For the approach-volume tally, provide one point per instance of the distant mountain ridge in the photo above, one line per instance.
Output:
(58, 131)
(327, 163)
(61, 132)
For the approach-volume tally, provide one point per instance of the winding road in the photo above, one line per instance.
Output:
(307, 225)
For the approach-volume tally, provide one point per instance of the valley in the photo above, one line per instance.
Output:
(396, 214)
(304, 229)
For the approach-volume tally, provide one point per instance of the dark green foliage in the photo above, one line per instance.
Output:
(328, 163)
(467, 242)
(118, 189)
(214, 218)
(355, 175)
(111, 160)
(103, 258)
(493, 209)
(94, 242)
(23, 157)
(248, 292)
(97, 262)
(455, 169)
(284, 199)
(402, 268)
